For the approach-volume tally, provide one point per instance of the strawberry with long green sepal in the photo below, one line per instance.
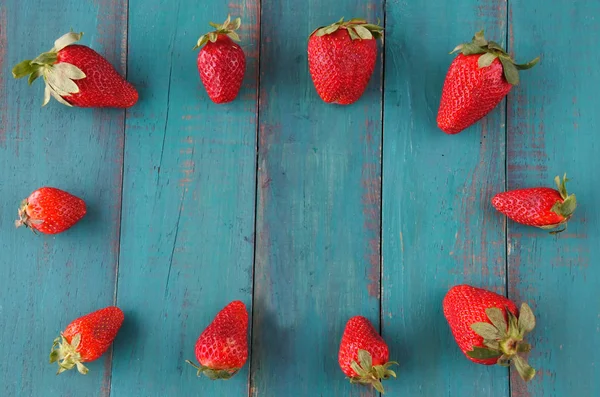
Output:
(364, 355)
(222, 348)
(478, 79)
(76, 75)
(50, 210)
(342, 58)
(542, 207)
(221, 62)
(488, 328)
(86, 339)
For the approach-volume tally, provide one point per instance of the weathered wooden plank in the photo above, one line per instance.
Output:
(553, 124)
(188, 216)
(48, 281)
(318, 213)
(438, 227)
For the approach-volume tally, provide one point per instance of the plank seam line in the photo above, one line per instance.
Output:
(120, 217)
(506, 270)
(257, 76)
(382, 81)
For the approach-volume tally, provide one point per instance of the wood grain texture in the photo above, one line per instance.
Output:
(553, 124)
(438, 227)
(188, 208)
(318, 214)
(47, 281)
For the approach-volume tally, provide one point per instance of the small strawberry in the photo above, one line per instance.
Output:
(478, 79)
(364, 355)
(478, 320)
(222, 348)
(76, 75)
(86, 339)
(221, 62)
(50, 211)
(543, 207)
(341, 59)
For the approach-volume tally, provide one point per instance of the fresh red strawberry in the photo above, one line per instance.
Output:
(221, 62)
(341, 59)
(478, 79)
(364, 355)
(222, 348)
(76, 75)
(539, 206)
(478, 320)
(50, 211)
(86, 339)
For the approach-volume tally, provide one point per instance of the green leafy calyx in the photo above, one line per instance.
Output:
(59, 77)
(504, 341)
(213, 374)
(369, 374)
(67, 355)
(489, 51)
(357, 28)
(228, 28)
(567, 207)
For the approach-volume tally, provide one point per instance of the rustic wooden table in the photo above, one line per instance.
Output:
(309, 213)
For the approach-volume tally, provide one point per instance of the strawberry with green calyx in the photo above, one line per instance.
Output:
(50, 210)
(76, 75)
(364, 355)
(222, 348)
(542, 207)
(221, 62)
(86, 339)
(478, 79)
(488, 328)
(341, 59)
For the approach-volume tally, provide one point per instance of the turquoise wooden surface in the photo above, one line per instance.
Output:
(47, 281)
(309, 213)
(553, 122)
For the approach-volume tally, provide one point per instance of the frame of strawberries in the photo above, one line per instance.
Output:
(488, 328)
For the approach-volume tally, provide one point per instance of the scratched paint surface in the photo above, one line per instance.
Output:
(317, 259)
(47, 281)
(438, 227)
(280, 200)
(553, 122)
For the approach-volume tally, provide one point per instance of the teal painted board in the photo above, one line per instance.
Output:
(188, 206)
(438, 227)
(553, 124)
(47, 281)
(318, 213)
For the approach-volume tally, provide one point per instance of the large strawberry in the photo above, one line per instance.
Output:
(478, 79)
(222, 348)
(364, 355)
(50, 210)
(341, 59)
(76, 75)
(86, 339)
(543, 207)
(478, 320)
(221, 62)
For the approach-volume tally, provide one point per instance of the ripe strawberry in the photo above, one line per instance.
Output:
(341, 59)
(50, 211)
(478, 321)
(540, 206)
(86, 339)
(364, 355)
(76, 75)
(478, 79)
(222, 348)
(221, 62)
